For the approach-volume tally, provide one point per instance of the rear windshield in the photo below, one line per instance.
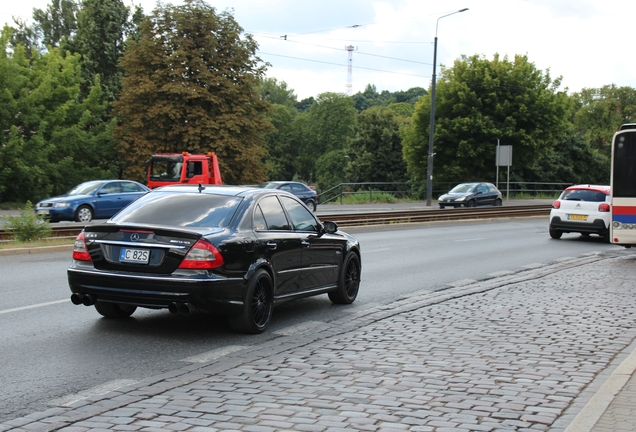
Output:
(584, 195)
(180, 210)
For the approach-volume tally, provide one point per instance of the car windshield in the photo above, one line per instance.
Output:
(180, 209)
(85, 188)
(584, 195)
(462, 188)
(166, 169)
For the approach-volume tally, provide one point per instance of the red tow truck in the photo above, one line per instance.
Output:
(176, 168)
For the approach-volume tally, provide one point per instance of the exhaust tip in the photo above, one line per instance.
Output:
(76, 299)
(186, 308)
(173, 308)
(88, 300)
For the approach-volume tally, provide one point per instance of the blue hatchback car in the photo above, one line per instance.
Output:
(97, 199)
(301, 190)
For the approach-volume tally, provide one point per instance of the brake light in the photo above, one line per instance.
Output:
(203, 255)
(604, 207)
(556, 204)
(80, 251)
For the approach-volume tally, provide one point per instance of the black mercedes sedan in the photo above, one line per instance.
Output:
(220, 249)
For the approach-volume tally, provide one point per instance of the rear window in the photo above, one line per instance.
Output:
(584, 195)
(180, 210)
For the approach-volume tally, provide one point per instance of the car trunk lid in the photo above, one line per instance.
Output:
(156, 250)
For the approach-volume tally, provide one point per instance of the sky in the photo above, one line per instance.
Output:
(586, 42)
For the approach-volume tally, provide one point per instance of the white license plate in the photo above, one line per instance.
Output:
(139, 256)
(577, 217)
(43, 212)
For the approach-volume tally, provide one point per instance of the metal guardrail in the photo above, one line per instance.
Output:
(379, 218)
(419, 216)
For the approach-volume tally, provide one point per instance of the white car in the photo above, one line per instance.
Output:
(583, 209)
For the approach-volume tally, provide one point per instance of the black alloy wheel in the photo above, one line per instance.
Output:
(471, 203)
(114, 310)
(498, 202)
(349, 281)
(258, 305)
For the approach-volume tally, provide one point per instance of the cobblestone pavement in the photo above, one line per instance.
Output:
(526, 351)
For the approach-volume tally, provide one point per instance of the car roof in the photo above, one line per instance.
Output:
(227, 190)
(599, 188)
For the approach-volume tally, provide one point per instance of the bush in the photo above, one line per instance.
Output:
(28, 226)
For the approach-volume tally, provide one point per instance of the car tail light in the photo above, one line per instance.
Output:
(203, 255)
(604, 207)
(556, 204)
(80, 251)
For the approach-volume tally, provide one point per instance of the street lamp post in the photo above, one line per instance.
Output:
(431, 129)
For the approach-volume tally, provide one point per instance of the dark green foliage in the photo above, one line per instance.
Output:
(370, 97)
(375, 152)
(571, 160)
(305, 104)
(190, 85)
(102, 28)
(270, 90)
(282, 152)
(478, 102)
(50, 139)
(600, 112)
(28, 226)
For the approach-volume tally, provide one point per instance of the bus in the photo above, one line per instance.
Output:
(623, 186)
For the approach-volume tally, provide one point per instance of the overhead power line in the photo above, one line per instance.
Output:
(339, 64)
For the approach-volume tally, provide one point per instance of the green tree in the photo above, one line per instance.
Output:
(51, 139)
(375, 152)
(282, 153)
(56, 23)
(190, 85)
(275, 92)
(602, 111)
(102, 29)
(327, 128)
(480, 101)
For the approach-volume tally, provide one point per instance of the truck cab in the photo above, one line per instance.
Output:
(183, 168)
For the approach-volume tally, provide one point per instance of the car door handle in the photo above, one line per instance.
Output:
(272, 245)
(305, 243)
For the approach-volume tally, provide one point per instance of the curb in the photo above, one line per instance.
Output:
(36, 250)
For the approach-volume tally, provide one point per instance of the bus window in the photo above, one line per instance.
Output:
(624, 172)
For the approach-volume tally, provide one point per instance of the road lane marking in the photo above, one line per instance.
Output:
(471, 239)
(93, 391)
(298, 328)
(214, 354)
(33, 306)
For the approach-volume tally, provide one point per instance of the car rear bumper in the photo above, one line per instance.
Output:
(595, 227)
(217, 294)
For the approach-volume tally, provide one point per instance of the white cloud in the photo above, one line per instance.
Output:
(585, 41)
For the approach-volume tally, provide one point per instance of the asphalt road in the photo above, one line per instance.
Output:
(55, 352)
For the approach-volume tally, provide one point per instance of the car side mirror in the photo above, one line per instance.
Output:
(330, 227)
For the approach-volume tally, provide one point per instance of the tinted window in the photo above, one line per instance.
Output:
(302, 219)
(299, 188)
(180, 210)
(85, 188)
(624, 172)
(111, 188)
(273, 213)
(130, 187)
(259, 219)
(584, 195)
